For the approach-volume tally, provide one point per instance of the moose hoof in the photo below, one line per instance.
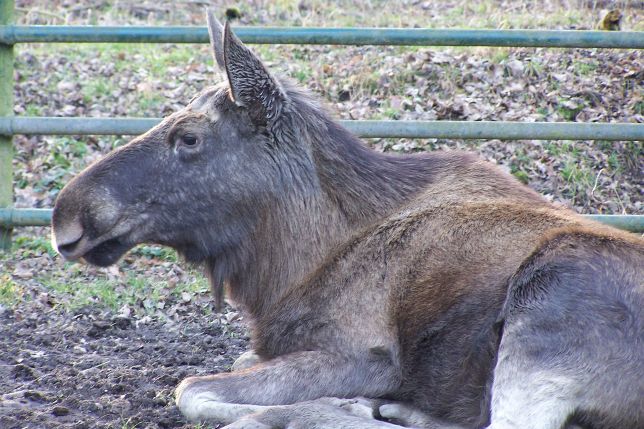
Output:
(198, 401)
(403, 415)
(193, 400)
(248, 423)
(359, 407)
(246, 360)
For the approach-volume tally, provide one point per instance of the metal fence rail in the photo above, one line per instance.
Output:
(42, 217)
(504, 130)
(11, 34)
(6, 109)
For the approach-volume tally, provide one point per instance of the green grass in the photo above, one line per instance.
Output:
(569, 113)
(500, 55)
(33, 110)
(639, 108)
(135, 290)
(158, 252)
(578, 178)
(585, 68)
(98, 88)
(11, 293)
(72, 286)
(521, 175)
(24, 247)
(573, 173)
(519, 162)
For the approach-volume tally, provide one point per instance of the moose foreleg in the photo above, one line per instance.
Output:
(288, 379)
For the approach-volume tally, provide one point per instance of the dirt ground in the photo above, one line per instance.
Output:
(100, 370)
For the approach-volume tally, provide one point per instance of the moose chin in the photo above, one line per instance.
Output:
(429, 290)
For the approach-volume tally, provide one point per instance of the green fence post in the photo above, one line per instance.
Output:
(6, 109)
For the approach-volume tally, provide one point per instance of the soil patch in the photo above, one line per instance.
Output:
(89, 369)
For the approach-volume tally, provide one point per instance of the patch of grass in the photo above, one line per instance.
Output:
(159, 59)
(148, 102)
(134, 290)
(614, 162)
(639, 108)
(69, 148)
(11, 293)
(77, 292)
(267, 53)
(391, 113)
(500, 55)
(32, 247)
(604, 145)
(158, 252)
(584, 68)
(567, 112)
(33, 110)
(522, 176)
(365, 83)
(303, 74)
(579, 179)
(73, 286)
(518, 164)
(64, 158)
(571, 172)
(556, 149)
(534, 68)
(97, 88)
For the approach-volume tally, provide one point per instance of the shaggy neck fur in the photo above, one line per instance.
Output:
(341, 187)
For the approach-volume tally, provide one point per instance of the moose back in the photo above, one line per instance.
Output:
(434, 286)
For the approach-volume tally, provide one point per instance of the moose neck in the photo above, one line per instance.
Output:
(365, 185)
(353, 187)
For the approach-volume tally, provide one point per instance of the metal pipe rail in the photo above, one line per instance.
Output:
(503, 130)
(42, 217)
(12, 34)
(6, 109)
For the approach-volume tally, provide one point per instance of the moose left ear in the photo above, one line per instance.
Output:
(251, 85)
(216, 32)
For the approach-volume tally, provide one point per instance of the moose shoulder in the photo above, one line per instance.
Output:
(434, 286)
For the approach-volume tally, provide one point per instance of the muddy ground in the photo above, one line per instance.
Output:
(84, 369)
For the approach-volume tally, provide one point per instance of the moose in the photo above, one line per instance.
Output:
(424, 290)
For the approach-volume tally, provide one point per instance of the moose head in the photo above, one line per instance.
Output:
(252, 173)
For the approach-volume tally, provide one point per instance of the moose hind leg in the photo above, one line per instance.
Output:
(323, 413)
(571, 341)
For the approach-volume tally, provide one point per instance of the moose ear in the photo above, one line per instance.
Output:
(251, 85)
(216, 32)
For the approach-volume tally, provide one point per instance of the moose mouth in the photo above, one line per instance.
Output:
(107, 253)
(101, 253)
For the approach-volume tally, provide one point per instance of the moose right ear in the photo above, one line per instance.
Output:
(251, 84)
(216, 32)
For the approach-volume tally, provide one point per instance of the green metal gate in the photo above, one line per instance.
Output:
(9, 125)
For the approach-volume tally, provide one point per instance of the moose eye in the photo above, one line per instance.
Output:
(189, 140)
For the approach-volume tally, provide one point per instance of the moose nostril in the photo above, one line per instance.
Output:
(68, 248)
(66, 238)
